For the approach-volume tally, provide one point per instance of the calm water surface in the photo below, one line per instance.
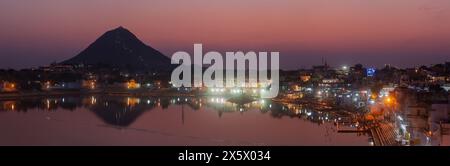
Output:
(107, 120)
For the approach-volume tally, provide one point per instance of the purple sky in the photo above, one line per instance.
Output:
(404, 33)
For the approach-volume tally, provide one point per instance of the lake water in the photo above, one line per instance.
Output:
(121, 120)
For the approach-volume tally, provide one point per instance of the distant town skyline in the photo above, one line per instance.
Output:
(403, 33)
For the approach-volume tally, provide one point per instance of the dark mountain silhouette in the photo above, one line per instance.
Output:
(121, 48)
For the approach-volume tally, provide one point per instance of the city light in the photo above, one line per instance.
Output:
(389, 100)
(403, 127)
(93, 100)
(132, 84)
(218, 100)
(92, 85)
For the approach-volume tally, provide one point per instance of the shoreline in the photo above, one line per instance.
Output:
(163, 93)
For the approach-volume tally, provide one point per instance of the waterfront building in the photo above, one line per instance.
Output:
(9, 87)
(132, 84)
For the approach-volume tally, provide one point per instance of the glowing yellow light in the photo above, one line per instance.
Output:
(93, 100)
(48, 104)
(373, 96)
(389, 100)
(132, 84)
(92, 85)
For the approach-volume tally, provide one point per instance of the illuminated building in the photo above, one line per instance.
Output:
(9, 87)
(305, 78)
(89, 84)
(132, 84)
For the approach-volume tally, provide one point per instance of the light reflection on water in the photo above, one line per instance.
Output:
(118, 120)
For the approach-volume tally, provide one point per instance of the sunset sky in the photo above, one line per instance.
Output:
(404, 33)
